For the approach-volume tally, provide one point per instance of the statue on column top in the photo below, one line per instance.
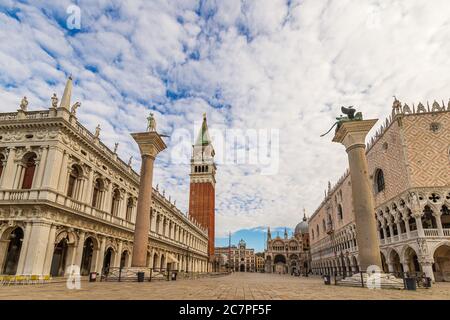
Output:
(54, 99)
(24, 104)
(151, 126)
(350, 115)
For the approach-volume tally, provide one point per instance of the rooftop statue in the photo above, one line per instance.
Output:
(24, 104)
(74, 108)
(151, 126)
(54, 101)
(350, 115)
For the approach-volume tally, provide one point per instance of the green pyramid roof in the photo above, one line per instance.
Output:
(203, 138)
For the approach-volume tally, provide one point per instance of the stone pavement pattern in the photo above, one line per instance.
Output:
(238, 286)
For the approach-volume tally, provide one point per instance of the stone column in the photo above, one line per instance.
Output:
(420, 232)
(427, 268)
(8, 170)
(437, 216)
(79, 249)
(101, 256)
(41, 167)
(50, 249)
(352, 135)
(150, 144)
(406, 220)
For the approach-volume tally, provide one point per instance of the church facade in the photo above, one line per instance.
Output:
(288, 255)
(67, 199)
(409, 166)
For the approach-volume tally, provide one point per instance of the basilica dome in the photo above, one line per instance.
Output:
(302, 227)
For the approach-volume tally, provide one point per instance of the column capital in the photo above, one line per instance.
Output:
(150, 143)
(353, 133)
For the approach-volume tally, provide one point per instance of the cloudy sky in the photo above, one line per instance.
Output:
(281, 68)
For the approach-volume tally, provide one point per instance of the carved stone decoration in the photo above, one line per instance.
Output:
(406, 109)
(421, 108)
(423, 247)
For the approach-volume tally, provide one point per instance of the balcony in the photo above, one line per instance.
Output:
(50, 196)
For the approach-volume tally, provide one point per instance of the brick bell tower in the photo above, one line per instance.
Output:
(202, 187)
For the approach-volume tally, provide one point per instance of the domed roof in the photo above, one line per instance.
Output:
(302, 227)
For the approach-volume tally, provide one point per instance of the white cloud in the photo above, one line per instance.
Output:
(248, 64)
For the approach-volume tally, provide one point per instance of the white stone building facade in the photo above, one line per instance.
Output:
(66, 199)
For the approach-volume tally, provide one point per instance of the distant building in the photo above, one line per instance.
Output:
(236, 258)
(260, 262)
(289, 255)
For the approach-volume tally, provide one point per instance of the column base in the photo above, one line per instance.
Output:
(376, 281)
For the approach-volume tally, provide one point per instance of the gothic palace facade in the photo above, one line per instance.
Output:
(66, 199)
(409, 164)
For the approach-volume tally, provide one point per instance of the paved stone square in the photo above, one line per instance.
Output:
(239, 286)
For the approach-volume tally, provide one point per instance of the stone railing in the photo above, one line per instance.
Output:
(429, 233)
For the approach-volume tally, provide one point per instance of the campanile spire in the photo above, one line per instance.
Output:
(202, 184)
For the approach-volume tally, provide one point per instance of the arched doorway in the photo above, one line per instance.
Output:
(124, 259)
(86, 260)
(163, 262)
(395, 261)
(442, 263)
(13, 252)
(242, 268)
(107, 261)
(412, 260)
(59, 259)
(355, 264)
(155, 261)
(280, 264)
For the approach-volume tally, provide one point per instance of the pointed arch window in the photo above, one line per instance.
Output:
(340, 212)
(379, 181)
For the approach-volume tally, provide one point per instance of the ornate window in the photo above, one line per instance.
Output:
(74, 177)
(97, 194)
(115, 202)
(30, 168)
(379, 181)
(130, 206)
